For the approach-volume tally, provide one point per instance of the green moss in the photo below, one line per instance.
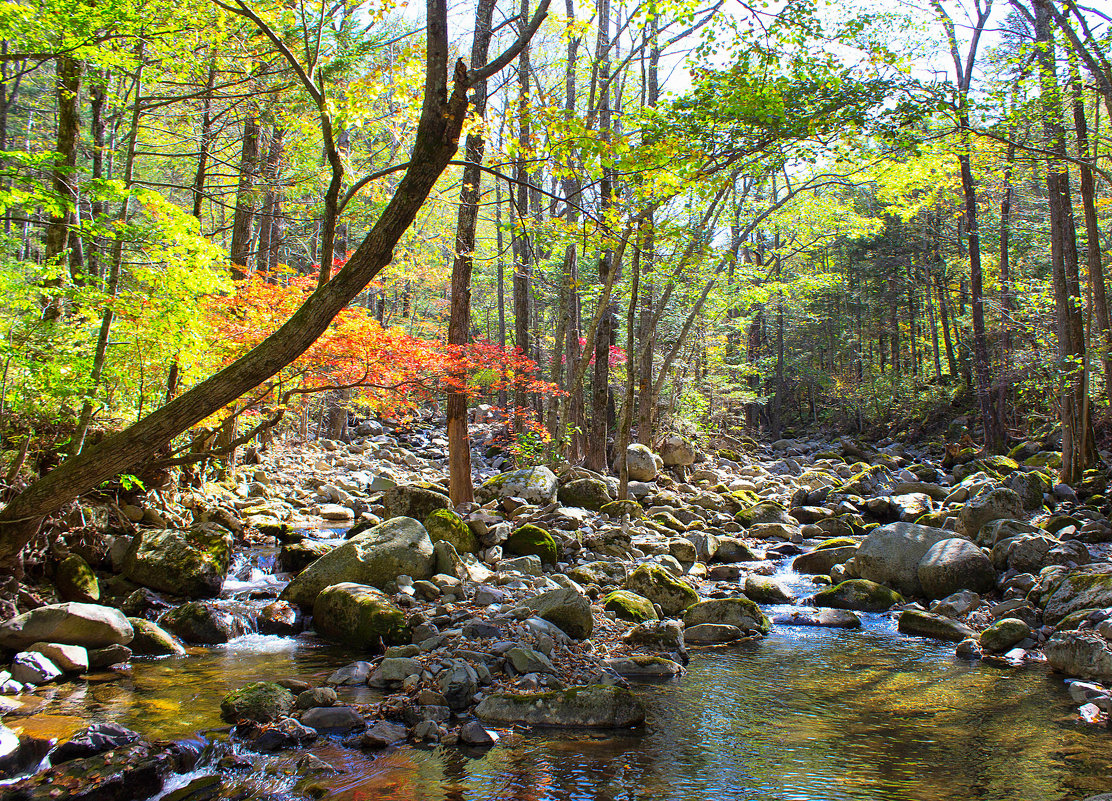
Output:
(447, 526)
(661, 587)
(835, 542)
(530, 540)
(260, 702)
(618, 508)
(1073, 620)
(76, 581)
(1045, 459)
(761, 512)
(1056, 523)
(858, 594)
(359, 616)
(627, 605)
(668, 520)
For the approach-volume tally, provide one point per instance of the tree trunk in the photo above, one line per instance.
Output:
(239, 253)
(60, 240)
(460, 487)
(205, 142)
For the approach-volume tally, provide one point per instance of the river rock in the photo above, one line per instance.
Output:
(153, 640)
(712, 634)
(642, 463)
(589, 706)
(296, 556)
(475, 734)
(641, 666)
(858, 594)
(31, 667)
(732, 549)
(400, 546)
(192, 563)
(585, 493)
(381, 734)
(740, 612)
(660, 587)
(76, 581)
(203, 623)
(332, 717)
(827, 618)
(414, 501)
(675, 450)
(444, 525)
(70, 658)
(629, 606)
(258, 702)
(565, 608)
(936, 627)
(663, 635)
(316, 697)
(358, 616)
(88, 625)
(354, 674)
(531, 540)
(533, 484)
(1080, 653)
(1088, 587)
(764, 512)
(821, 560)
(1003, 635)
(891, 554)
(95, 739)
(997, 504)
(952, 565)
(996, 531)
(765, 590)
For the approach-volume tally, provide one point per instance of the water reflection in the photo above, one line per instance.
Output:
(809, 714)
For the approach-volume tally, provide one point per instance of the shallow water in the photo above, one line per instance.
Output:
(806, 714)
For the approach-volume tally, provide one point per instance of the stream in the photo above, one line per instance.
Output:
(807, 714)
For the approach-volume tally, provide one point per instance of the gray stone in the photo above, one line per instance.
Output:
(400, 546)
(88, 625)
(527, 660)
(192, 563)
(1080, 653)
(998, 504)
(566, 608)
(394, 670)
(316, 697)
(381, 734)
(891, 554)
(936, 627)
(476, 734)
(591, 706)
(675, 450)
(820, 561)
(70, 658)
(1004, 634)
(332, 717)
(952, 565)
(355, 674)
(534, 484)
(31, 667)
(712, 634)
(741, 613)
(641, 463)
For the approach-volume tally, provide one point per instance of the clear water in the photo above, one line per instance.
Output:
(806, 714)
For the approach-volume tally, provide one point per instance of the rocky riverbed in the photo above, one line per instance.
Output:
(544, 606)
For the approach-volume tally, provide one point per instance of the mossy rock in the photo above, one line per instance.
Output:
(192, 563)
(1084, 588)
(1049, 459)
(629, 606)
(258, 702)
(531, 540)
(670, 521)
(836, 542)
(76, 581)
(1073, 620)
(358, 616)
(418, 501)
(616, 509)
(585, 493)
(740, 612)
(936, 627)
(1004, 634)
(446, 525)
(763, 512)
(858, 594)
(869, 481)
(661, 587)
(1056, 523)
(746, 497)
(153, 640)
(733, 456)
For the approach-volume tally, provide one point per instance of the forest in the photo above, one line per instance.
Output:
(729, 284)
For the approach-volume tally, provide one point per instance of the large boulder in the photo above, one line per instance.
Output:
(891, 554)
(642, 463)
(444, 525)
(661, 587)
(1030, 487)
(565, 608)
(400, 546)
(192, 563)
(1088, 587)
(534, 484)
(87, 625)
(591, 706)
(1080, 653)
(739, 612)
(153, 640)
(764, 512)
(677, 451)
(258, 702)
(414, 500)
(955, 564)
(358, 616)
(858, 594)
(585, 493)
(1004, 634)
(998, 530)
(998, 504)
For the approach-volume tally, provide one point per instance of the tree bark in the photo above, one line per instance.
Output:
(239, 253)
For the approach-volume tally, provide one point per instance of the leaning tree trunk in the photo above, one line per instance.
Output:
(442, 116)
